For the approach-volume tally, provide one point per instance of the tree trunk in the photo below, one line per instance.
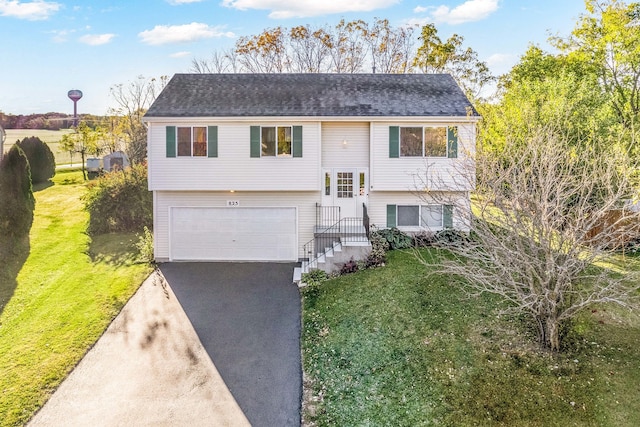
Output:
(549, 332)
(84, 172)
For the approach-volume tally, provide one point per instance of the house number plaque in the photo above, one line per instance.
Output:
(233, 203)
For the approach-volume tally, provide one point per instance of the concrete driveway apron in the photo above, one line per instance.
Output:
(247, 316)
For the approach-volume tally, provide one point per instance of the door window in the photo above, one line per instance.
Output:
(344, 182)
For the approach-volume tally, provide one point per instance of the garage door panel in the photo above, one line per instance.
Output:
(233, 234)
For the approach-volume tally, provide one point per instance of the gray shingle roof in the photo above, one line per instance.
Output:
(280, 95)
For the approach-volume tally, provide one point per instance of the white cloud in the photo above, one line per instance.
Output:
(32, 11)
(469, 11)
(281, 9)
(164, 34)
(420, 9)
(501, 63)
(180, 54)
(96, 39)
(179, 2)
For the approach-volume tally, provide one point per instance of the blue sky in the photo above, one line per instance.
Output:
(52, 46)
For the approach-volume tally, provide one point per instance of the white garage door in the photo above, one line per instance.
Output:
(233, 234)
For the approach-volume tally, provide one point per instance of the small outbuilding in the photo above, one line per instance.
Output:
(117, 160)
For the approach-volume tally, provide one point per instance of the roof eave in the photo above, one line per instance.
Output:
(471, 118)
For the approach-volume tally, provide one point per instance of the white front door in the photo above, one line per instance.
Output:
(347, 189)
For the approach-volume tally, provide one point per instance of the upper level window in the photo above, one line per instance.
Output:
(275, 141)
(192, 141)
(423, 141)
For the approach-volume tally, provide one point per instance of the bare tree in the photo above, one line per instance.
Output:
(309, 49)
(389, 48)
(265, 52)
(347, 49)
(133, 100)
(219, 62)
(548, 218)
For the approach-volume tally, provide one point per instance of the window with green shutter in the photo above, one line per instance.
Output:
(452, 142)
(297, 141)
(447, 216)
(394, 142)
(212, 141)
(171, 141)
(391, 216)
(275, 141)
(423, 141)
(192, 141)
(423, 216)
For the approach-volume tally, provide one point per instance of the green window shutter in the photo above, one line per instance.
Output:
(447, 216)
(255, 141)
(297, 141)
(212, 141)
(394, 141)
(452, 141)
(171, 141)
(391, 216)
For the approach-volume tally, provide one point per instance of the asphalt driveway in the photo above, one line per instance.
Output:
(201, 344)
(247, 316)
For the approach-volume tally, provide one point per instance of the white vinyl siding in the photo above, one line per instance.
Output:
(164, 200)
(233, 169)
(378, 201)
(353, 154)
(416, 173)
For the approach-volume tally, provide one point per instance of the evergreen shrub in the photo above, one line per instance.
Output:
(41, 160)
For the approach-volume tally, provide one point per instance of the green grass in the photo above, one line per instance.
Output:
(393, 346)
(51, 137)
(64, 296)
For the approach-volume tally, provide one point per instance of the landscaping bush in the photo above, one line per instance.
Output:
(449, 236)
(379, 248)
(41, 159)
(145, 246)
(314, 277)
(349, 267)
(396, 238)
(424, 239)
(120, 201)
(16, 197)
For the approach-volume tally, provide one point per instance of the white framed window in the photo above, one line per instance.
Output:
(192, 141)
(428, 216)
(344, 183)
(275, 141)
(424, 141)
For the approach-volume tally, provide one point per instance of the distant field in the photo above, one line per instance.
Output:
(50, 137)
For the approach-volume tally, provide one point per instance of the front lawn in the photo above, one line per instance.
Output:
(61, 293)
(391, 346)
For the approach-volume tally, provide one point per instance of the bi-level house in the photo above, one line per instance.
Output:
(252, 167)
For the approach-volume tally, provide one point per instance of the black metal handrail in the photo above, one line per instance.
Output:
(365, 219)
(327, 215)
(345, 229)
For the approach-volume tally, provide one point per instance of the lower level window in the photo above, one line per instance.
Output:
(419, 216)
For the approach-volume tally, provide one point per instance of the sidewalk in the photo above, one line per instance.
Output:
(149, 368)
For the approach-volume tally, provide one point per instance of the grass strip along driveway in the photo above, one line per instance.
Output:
(61, 300)
(394, 346)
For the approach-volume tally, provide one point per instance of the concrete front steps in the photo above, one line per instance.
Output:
(333, 258)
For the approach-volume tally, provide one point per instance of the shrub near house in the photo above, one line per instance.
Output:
(119, 202)
(16, 197)
(41, 160)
